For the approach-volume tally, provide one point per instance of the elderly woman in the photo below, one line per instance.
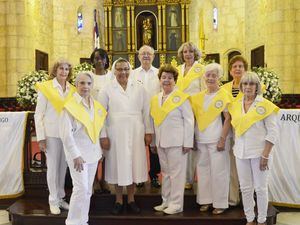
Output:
(210, 107)
(254, 122)
(190, 82)
(129, 129)
(52, 96)
(80, 126)
(174, 126)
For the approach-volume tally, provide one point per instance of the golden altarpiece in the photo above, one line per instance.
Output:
(129, 24)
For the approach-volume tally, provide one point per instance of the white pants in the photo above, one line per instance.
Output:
(213, 175)
(173, 168)
(81, 194)
(234, 189)
(190, 169)
(56, 169)
(252, 178)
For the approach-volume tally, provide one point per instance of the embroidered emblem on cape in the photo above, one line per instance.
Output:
(219, 104)
(176, 99)
(261, 110)
(197, 69)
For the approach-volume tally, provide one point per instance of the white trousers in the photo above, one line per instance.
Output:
(173, 169)
(191, 165)
(213, 175)
(234, 188)
(81, 194)
(56, 169)
(252, 178)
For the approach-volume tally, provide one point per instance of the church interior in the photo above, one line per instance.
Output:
(36, 33)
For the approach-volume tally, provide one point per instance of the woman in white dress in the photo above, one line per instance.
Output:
(129, 129)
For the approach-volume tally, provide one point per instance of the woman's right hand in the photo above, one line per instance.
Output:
(42, 145)
(78, 164)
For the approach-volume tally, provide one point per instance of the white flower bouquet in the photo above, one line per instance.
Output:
(26, 93)
(270, 80)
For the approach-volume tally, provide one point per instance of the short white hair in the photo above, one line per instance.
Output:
(214, 67)
(147, 46)
(84, 73)
(251, 77)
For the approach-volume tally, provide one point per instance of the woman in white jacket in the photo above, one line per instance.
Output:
(52, 96)
(174, 127)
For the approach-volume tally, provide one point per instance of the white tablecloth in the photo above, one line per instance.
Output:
(12, 135)
(284, 180)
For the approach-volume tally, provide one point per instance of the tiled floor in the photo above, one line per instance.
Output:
(284, 218)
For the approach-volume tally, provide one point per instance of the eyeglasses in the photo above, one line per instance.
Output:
(249, 83)
(122, 69)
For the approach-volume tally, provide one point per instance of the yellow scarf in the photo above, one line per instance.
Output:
(53, 96)
(196, 71)
(159, 113)
(216, 107)
(78, 111)
(242, 122)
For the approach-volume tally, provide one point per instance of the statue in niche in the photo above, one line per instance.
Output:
(147, 31)
(119, 21)
(119, 41)
(173, 40)
(173, 17)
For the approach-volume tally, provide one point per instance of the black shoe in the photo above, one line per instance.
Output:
(155, 183)
(132, 207)
(117, 209)
(140, 185)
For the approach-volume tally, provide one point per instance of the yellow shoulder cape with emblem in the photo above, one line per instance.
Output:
(216, 107)
(53, 96)
(242, 122)
(183, 82)
(78, 111)
(228, 88)
(159, 113)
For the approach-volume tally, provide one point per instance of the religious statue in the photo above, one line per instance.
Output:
(119, 21)
(173, 40)
(147, 31)
(173, 17)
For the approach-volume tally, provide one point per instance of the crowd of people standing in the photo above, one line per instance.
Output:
(190, 124)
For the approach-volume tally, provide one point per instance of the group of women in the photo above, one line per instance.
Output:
(193, 116)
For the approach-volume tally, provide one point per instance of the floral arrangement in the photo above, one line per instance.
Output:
(81, 67)
(26, 93)
(270, 79)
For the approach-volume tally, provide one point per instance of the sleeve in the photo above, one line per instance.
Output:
(66, 129)
(39, 116)
(272, 128)
(146, 113)
(188, 123)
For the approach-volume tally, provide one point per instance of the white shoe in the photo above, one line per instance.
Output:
(54, 210)
(171, 210)
(161, 207)
(64, 205)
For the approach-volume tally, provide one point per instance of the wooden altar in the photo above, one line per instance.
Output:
(162, 24)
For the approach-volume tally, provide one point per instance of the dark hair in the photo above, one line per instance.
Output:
(168, 68)
(238, 58)
(57, 64)
(103, 55)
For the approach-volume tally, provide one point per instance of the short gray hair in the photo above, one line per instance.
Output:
(214, 67)
(251, 77)
(84, 73)
(191, 45)
(147, 46)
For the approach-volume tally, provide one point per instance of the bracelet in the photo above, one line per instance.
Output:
(222, 138)
(264, 157)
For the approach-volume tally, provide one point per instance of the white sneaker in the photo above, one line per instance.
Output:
(64, 205)
(171, 210)
(54, 209)
(161, 207)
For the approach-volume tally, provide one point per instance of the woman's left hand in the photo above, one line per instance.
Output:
(148, 139)
(221, 145)
(186, 150)
(263, 164)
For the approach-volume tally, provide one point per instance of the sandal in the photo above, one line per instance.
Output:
(218, 211)
(204, 208)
